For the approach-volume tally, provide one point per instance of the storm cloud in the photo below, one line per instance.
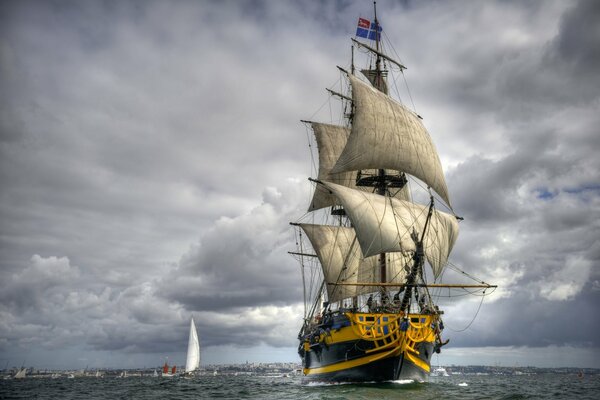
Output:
(151, 158)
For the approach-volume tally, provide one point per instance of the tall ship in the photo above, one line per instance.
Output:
(376, 239)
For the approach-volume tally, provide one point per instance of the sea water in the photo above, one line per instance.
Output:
(505, 387)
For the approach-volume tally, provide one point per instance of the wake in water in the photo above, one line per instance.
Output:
(404, 381)
(397, 382)
(317, 384)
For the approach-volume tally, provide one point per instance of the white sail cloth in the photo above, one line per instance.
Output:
(192, 361)
(331, 140)
(339, 255)
(385, 224)
(342, 261)
(387, 135)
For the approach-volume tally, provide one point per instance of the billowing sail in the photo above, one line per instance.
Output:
(397, 267)
(331, 140)
(387, 135)
(342, 261)
(339, 255)
(193, 352)
(385, 224)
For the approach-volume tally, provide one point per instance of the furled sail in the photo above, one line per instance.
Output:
(387, 135)
(384, 224)
(341, 259)
(331, 140)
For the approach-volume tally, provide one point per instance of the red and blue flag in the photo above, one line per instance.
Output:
(367, 29)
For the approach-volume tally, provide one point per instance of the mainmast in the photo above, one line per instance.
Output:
(380, 85)
(379, 82)
(382, 181)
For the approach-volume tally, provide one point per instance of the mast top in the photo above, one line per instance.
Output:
(376, 27)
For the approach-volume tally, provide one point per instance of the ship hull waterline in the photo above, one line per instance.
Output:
(345, 354)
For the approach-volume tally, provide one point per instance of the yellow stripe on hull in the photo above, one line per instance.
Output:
(387, 338)
(418, 362)
(348, 364)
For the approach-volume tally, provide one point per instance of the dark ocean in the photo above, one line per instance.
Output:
(546, 386)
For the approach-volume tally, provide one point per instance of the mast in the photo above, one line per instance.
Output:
(419, 258)
(352, 60)
(384, 179)
(379, 84)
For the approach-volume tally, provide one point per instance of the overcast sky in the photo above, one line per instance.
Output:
(151, 157)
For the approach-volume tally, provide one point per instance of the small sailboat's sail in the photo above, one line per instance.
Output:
(385, 134)
(165, 368)
(385, 224)
(21, 373)
(193, 352)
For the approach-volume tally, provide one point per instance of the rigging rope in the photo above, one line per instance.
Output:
(473, 320)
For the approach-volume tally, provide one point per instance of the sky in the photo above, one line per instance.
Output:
(152, 156)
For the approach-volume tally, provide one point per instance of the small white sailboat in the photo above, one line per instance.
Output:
(21, 373)
(193, 352)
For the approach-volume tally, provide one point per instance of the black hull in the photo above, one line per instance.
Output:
(367, 347)
(387, 369)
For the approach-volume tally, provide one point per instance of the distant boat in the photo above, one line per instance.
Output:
(155, 374)
(21, 373)
(168, 373)
(193, 352)
(439, 371)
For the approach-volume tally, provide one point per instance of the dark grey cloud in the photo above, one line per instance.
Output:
(526, 319)
(241, 261)
(576, 45)
(151, 158)
(529, 193)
